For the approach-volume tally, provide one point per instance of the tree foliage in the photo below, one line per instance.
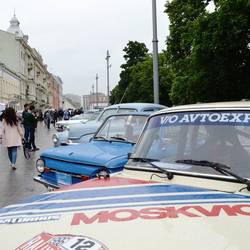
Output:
(209, 52)
(135, 52)
(207, 56)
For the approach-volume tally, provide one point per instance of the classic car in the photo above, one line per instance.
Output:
(83, 118)
(107, 151)
(186, 186)
(81, 133)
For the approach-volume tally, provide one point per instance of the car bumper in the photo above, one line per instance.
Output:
(56, 179)
(46, 183)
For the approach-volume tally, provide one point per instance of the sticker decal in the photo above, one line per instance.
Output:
(153, 213)
(201, 118)
(46, 241)
(29, 219)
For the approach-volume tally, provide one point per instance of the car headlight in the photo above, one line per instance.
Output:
(55, 138)
(66, 128)
(40, 166)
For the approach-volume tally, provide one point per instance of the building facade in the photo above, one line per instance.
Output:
(25, 66)
(10, 87)
(93, 100)
(74, 99)
(55, 91)
(68, 104)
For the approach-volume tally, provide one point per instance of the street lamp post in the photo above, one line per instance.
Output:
(155, 54)
(96, 78)
(108, 66)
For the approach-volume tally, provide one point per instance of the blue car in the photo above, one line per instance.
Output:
(106, 153)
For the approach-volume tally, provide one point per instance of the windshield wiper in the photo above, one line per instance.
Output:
(121, 139)
(118, 138)
(169, 175)
(219, 167)
(101, 137)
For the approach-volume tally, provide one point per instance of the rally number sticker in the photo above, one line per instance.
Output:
(62, 242)
(81, 243)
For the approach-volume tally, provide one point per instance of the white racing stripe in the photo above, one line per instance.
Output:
(60, 201)
(123, 205)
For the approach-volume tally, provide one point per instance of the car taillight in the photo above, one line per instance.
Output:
(84, 177)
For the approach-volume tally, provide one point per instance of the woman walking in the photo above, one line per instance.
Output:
(12, 134)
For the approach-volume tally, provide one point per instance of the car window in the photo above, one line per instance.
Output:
(151, 109)
(222, 137)
(126, 128)
(109, 112)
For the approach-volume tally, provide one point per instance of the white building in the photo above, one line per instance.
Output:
(10, 87)
(26, 64)
(94, 100)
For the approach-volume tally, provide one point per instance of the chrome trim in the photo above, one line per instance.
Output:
(45, 183)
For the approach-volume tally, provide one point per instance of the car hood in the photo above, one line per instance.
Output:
(94, 152)
(79, 129)
(69, 122)
(129, 213)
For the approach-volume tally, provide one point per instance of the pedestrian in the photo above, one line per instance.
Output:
(55, 117)
(1, 126)
(25, 111)
(12, 134)
(66, 115)
(30, 124)
(60, 114)
(33, 123)
(47, 118)
(25, 122)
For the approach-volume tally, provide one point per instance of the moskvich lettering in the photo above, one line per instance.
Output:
(152, 213)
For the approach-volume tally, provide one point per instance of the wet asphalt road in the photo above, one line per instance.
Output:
(16, 185)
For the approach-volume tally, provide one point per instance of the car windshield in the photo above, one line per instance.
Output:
(88, 116)
(109, 112)
(221, 137)
(122, 128)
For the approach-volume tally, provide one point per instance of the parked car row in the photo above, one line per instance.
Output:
(106, 153)
(186, 185)
(76, 133)
(83, 118)
(103, 151)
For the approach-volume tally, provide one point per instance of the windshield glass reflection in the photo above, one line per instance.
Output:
(222, 137)
(122, 128)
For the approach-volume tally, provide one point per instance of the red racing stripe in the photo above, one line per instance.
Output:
(113, 181)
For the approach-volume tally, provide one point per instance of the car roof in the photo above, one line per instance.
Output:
(131, 114)
(237, 105)
(138, 106)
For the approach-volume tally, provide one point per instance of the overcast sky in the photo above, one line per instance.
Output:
(73, 36)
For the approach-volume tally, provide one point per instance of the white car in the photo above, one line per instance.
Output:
(83, 118)
(186, 186)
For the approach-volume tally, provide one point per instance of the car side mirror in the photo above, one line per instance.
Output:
(129, 155)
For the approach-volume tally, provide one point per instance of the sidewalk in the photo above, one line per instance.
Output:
(17, 185)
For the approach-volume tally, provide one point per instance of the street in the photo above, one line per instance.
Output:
(16, 185)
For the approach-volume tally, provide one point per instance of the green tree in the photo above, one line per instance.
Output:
(140, 88)
(134, 52)
(209, 53)
(182, 15)
(221, 54)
